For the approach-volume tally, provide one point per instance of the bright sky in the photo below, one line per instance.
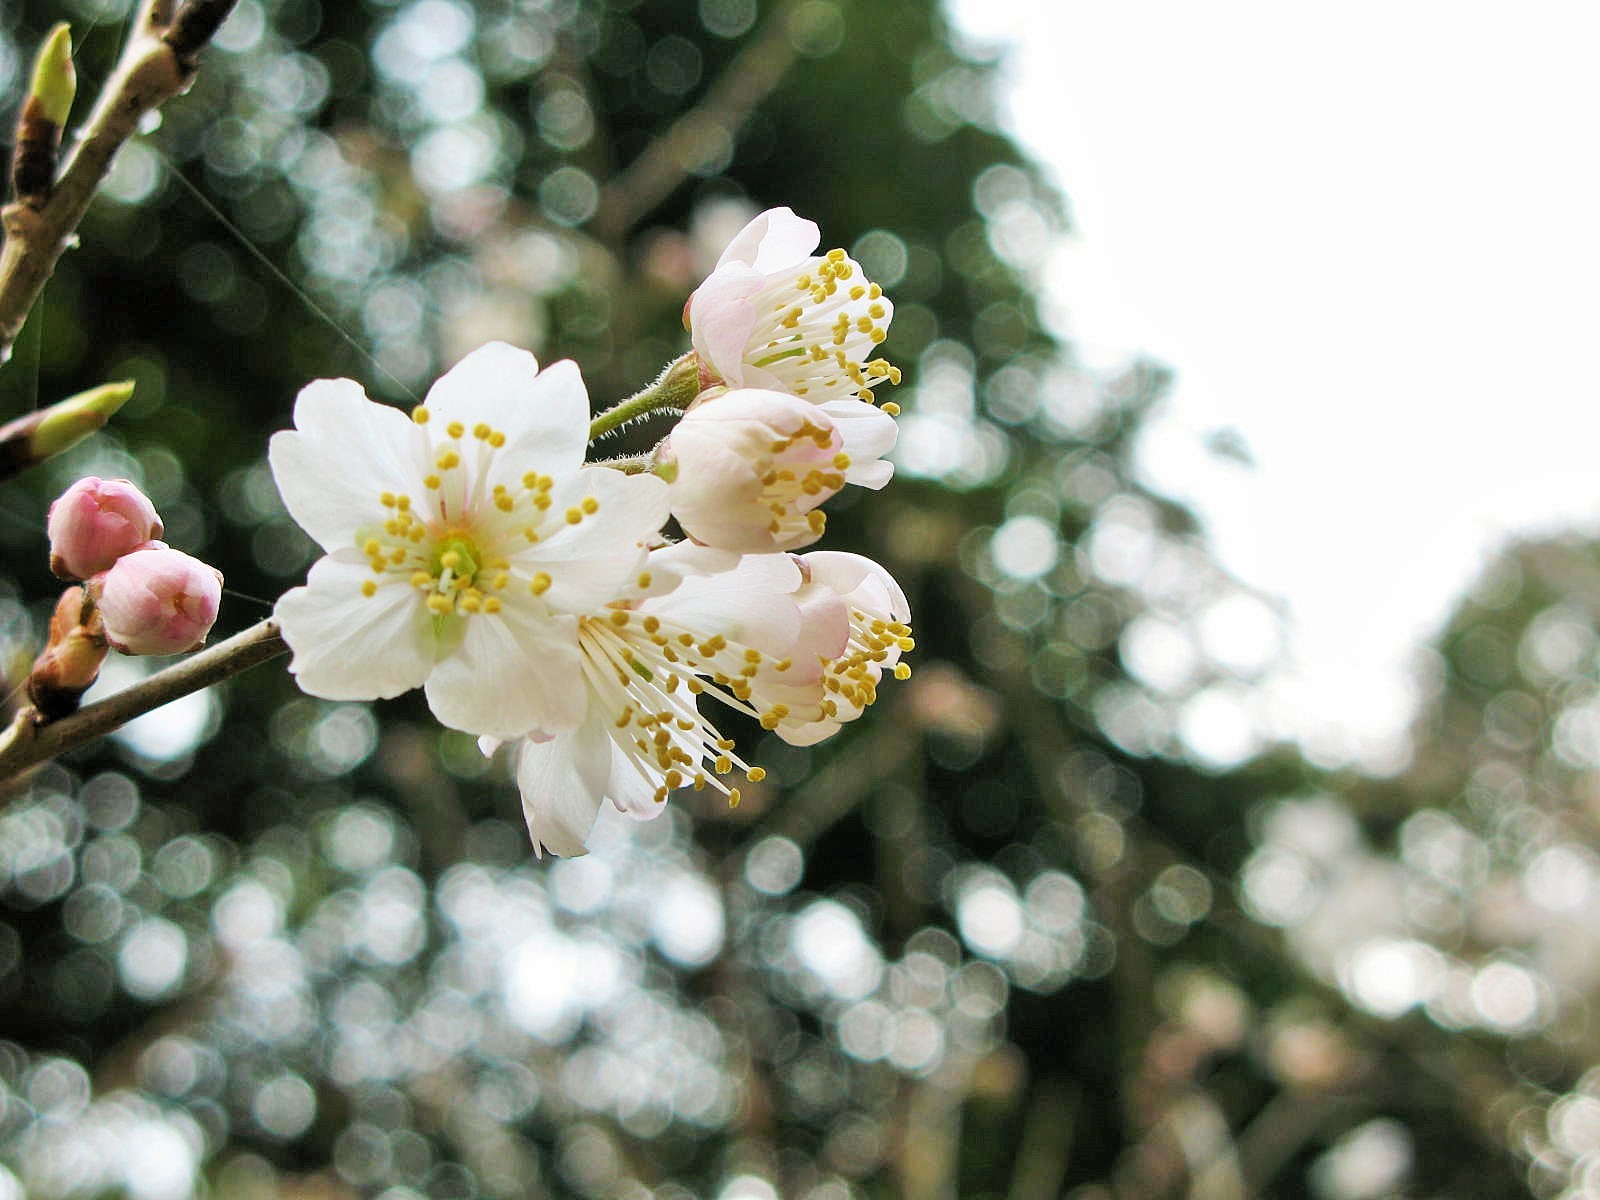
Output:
(1367, 237)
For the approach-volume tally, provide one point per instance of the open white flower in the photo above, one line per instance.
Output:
(737, 635)
(462, 542)
(750, 468)
(774, 315)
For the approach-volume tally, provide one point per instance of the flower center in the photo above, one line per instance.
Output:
(457, 554)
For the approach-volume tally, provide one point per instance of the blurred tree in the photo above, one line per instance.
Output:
(984, 944)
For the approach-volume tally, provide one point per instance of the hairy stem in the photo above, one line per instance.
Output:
(26, 743)
(673, 391)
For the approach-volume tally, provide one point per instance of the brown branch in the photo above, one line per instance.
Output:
(151, 71)
(27, 743)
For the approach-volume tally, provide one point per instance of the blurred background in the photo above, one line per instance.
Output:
(1073, 912)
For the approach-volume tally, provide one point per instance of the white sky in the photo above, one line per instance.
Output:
(1367, 236)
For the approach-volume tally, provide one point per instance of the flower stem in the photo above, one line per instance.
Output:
(26, 742)
(673, 391)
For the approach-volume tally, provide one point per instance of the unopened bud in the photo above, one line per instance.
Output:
(31, 439)
(95, 522)
(55, 82)
(159, 601)
(71, 662)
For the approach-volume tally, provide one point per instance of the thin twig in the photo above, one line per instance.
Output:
(26, 743)
(150, 72)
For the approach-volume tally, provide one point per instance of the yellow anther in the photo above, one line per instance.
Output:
(755, 774)
(651, 624)
(619, 618)
(471, 602)
(397, 555)
(481, 431)
(752, 655)
(590, 505)
(836, 255)
(497, 439)
(902, 670)
(403, 503)
(875, 311)
(501, 578)
(723, 765)
(530, 480)
(878, 334)
(387, 499)
(420, 415)
(504, 502)
(420, 579)
(573, 516)
(372, 547)
(644, 579)
(369, 588)
(891, 408)
(448, 460)
(440, 604)
(733, 797)
(432, 482)
(857, 292)
(539, 584)
(455, 429)
(531, 534)
(542, 501)
(673, 779)
(492, 604)
(451, 559)
(875, 291)
(866, 394)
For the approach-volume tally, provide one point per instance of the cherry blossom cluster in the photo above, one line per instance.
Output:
(140, 596)
(539, 600)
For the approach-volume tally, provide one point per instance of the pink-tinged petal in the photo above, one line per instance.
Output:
(869, 433)
(562, 782)
(722, 316)
(158, 600)
(592, 561)
(773, 241)
(513, 672)
(753, 603)
(868, 585)
(343, 454)
(350, 646)
(628, 789)
(95, 522)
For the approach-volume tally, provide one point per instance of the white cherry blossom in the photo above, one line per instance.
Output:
(775, 315)
(750, 469)
(463, 542)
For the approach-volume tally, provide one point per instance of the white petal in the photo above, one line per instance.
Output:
(544, 414)
(629, 790)
(753, 603)
(343, 454)
(869, 433)
(868, 585)
(722, 316)
(773, 241)
(348, 646)
(594, 561)
(562, 782)
(514, 671)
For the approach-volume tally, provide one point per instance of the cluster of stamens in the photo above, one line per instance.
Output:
(851, 680)
(458, 554)
(649, 671)
(783, 486)
(816, 333)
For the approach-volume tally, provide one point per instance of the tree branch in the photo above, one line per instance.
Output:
(151, 71)
(27, 743)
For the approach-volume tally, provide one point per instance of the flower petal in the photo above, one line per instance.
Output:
(514, 672)
(869, 433)
(544, 414)
(562, 782)
(343, 454)
(349, 646)
(753, 603)
(590, 562)
(773, 241)
(722, 316)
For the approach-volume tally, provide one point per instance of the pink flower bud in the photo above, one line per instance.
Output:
(159, 601)
(95, 522)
